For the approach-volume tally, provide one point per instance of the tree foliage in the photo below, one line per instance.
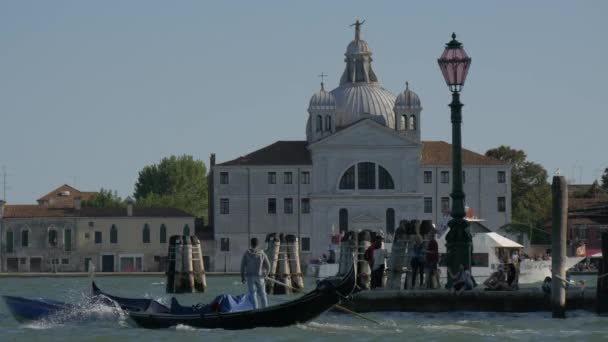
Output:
(105, 198)
(605, 180)
(530, 190)
(177, 182)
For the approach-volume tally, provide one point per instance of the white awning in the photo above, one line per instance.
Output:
(500, 241)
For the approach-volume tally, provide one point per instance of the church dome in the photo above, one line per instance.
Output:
(322, 101)
(359, 101)
(360, 95)
(407, 99)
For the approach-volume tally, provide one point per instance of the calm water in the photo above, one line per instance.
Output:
(103, 324)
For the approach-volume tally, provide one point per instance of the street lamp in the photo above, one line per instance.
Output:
(454, 64)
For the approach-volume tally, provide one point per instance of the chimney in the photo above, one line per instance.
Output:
(77, 203)
(130, 202)
(2, 204)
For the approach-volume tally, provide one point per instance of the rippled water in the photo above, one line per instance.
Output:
(100, 323)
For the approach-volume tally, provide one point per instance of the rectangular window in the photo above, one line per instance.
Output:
(305, 177)
(67, 240)
(502, 177)
(305, 206)
(287, 177)
(502, 204)
(224, 178)
(445, 176)
(25, 238)
(428, 204)
(445, 204)
(91, 224)
(288, 205)
(224, 206)
(225, 244)
(98, 237)
(464, 177)
(428, 177)
(305, 244)
(272, 178)
(272, 205)
(65, 261)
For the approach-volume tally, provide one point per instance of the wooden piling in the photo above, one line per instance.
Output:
(273, 245)
(363, 269)
(348, 250)
(293, 253)
(558, 245)
(198, 266)
(283, 271)
(398, 258)
(170, 280)
(178, 261)
(602, 279)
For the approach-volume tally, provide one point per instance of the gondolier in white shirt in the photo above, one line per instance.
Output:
(254, 268)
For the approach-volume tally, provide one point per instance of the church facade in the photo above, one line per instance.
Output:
(362, 166)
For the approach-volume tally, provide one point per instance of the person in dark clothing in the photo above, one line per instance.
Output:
(417, 262)
(512, 277)
(431, 261)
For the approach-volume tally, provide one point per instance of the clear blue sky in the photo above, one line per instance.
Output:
(92, 91)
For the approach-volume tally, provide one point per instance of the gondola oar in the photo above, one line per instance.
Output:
(337, 306)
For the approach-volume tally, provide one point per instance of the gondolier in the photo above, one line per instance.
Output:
(254, 268)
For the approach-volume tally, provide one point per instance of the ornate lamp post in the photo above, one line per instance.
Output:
(454, 64)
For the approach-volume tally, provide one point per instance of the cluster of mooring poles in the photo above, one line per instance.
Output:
(185, 269)
(407, 235)
(283, 252)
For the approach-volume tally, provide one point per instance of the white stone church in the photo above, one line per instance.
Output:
(362, 166)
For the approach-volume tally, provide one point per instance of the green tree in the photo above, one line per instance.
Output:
(605, 180)
(177, 181)
(105, 198)
(530, 191)
(594, 190)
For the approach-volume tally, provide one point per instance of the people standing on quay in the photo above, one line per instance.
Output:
(417, 261)
(378, 263)
(254, 269)
(431, 260)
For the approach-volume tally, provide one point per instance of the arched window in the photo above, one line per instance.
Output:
(385, 179)
(403, 122)
(347, 182)
(319, 123)
(343, 220)
(163, 233)
(390, 221)
(366, 175)
(52, 237)
(328, 123)
(25, 238)
(146, 234)
(114, 234)
(9, 241)
(413, 122)
(186, 230)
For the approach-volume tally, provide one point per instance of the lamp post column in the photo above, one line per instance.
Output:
(458, 241)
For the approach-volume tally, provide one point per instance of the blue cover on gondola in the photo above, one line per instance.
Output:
(221, 303)
(230, 303)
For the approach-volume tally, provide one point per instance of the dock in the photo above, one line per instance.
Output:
(523, 300)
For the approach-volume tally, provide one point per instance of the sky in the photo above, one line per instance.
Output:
(93, 91)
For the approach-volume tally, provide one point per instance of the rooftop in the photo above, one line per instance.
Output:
(296, 153)
(33, 210)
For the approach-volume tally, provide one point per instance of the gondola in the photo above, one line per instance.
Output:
(328, 293)
(32, 309)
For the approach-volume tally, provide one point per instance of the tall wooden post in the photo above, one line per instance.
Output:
(558, 245)
(602, 281)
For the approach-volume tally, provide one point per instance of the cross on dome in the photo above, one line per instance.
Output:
(322, 76)
(357, 26)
